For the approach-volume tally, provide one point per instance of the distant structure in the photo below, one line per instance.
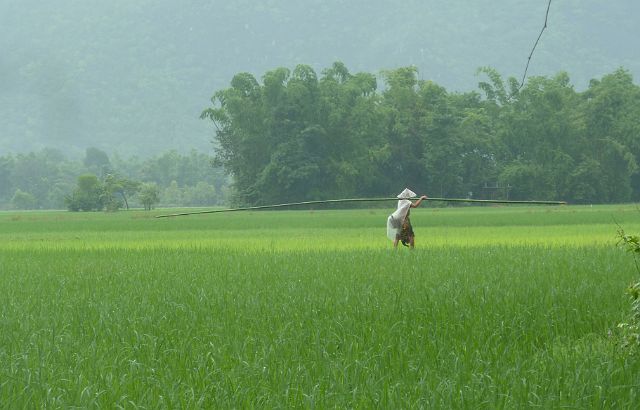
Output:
(496, 191)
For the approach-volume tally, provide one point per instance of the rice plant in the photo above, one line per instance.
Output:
(497, 307)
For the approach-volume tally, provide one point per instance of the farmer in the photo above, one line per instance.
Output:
(399, 227)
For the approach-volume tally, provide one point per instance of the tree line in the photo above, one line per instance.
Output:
(298, 136)
(47, 179)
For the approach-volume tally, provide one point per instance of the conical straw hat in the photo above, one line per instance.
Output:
(406, 194)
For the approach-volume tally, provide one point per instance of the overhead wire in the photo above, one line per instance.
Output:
(526, 68)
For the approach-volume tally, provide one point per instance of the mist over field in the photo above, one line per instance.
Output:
(133, 77)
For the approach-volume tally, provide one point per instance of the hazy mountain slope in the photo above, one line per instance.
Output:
(134, 76)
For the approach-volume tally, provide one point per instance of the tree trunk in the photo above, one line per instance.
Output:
(126, 203)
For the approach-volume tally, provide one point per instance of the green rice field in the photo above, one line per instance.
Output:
(497, 307)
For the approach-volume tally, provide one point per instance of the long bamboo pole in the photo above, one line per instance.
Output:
(333, 201)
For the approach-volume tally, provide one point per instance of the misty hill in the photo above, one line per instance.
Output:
(133, 76)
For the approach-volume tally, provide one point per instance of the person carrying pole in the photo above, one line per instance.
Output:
(399, 227)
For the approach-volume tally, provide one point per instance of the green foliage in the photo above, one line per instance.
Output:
(89, 195)
(111, 186)
(23, 200)
(116, 185)
(630, 242)
(51, 177)
(631, 329)
(202, 194)
(172, 195)
(97, 161)
(111, 194)
(296, 137)
(527, 180)
(6, 168)
(289, 139)
(496, 308)
(39, 173)
(149, 195)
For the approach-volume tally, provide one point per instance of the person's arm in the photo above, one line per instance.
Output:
(419, 201)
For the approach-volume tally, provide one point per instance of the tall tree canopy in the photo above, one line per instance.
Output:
(296, 136)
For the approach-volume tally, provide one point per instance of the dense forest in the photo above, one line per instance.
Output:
(47, 179)
(131, 77)
(299, 136)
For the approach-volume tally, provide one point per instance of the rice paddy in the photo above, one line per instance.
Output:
(496, 308)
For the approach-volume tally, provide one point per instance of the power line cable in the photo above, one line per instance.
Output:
(546, 18)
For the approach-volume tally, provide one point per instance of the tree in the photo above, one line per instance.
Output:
(97, 161)
(617, 165)
(243, 146)
(23, 200)
(149, 195)
(114, 184)
(405, 129)
(297, 137)
(202, 194)
(630, 331)
(88, 195)
(587, 185)
(172, 195)
(33, 173)
(478, 146)
(526, 179)
(6, 183)
(611, 108)
(444, 147)
(51, 177)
